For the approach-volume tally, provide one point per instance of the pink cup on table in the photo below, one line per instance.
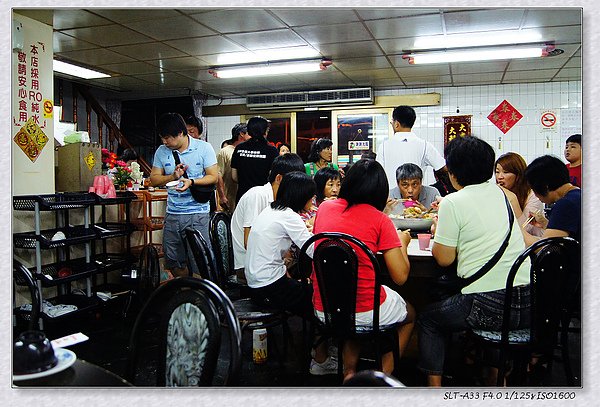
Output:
(424, 240)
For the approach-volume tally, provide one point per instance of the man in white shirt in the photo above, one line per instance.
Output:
(253, 202)
(405, 147)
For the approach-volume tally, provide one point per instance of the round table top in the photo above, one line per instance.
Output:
(80, 374)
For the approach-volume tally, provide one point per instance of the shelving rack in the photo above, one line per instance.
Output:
(91, 234)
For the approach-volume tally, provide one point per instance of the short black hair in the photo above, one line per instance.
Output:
(282, 164)
(129, 154)
(575, 138)
(170, 125)
(194, 121)
(405, 115)
(369, 155)
(321, 178)
(409, 171)
(237, 130)
(366, 183)
(470, 159)
(227, 142)
(546, 173)
(316, 147)
(257, 127)
(295, 190)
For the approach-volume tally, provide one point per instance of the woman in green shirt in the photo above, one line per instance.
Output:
(320, 156)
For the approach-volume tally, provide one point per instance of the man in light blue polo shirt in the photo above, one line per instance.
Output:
(198, 159)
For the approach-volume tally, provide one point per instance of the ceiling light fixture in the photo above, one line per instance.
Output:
(477, 54)
(264, 55)
(270, 68)
(488, 39)
(74, 70)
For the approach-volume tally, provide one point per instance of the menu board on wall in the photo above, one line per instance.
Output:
(570, 122)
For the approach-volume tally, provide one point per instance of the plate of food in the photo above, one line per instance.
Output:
(413, 218)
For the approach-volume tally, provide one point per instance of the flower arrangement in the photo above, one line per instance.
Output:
(109, 159)
(121, 174)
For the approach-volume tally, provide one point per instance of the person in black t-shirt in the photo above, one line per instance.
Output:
(252, 159)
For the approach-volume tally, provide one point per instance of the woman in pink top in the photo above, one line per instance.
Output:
(358, 212)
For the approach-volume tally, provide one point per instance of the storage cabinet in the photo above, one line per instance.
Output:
(92, 235)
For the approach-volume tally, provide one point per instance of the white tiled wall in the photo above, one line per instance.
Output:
(526, 137)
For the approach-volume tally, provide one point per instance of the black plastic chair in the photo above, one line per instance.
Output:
(251, 315)
(222, 244)
(336, 267)
(372, 378)
(554, 282)
(192, 312)
(22, 276)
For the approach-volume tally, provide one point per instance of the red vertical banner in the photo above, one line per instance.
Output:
(456, 126)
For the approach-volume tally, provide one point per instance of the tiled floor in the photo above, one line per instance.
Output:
(109, 335)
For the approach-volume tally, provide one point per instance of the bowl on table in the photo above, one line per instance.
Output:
(414, 224)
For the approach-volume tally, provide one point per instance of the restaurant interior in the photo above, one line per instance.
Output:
(94, 295)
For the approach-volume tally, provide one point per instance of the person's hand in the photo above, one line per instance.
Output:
(186, 184)
(405, 237)
(342, 173)
(179, 170)
(390, 205)
(310, 223)
(539, 220)
(434, 224)
(435, 204)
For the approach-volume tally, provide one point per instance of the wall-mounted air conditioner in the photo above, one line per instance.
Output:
(353, 96)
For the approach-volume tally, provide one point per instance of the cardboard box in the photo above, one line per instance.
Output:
(77, 165)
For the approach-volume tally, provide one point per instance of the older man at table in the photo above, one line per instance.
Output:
(410, 186)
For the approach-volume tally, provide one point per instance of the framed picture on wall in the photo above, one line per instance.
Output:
(456, 126)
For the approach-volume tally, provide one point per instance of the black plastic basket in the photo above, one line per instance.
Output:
(49, 276)
(122, 197)
(74, 235)
(113, 229)
(50, 202)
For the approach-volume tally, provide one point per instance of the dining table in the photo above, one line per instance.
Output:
(79, 374)
(424, 270)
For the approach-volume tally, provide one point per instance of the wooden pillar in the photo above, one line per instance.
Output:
(88, 110)
(75, 97)
(99, 130)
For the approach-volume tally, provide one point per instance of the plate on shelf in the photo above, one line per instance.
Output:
(65, 359)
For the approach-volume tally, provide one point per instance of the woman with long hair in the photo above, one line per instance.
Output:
(358, 212)
(510, 174)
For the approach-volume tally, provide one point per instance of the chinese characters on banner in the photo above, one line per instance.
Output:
(30, 138)
(456, 126)
(505, 116)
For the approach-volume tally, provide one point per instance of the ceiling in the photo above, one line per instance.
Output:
(166, 51)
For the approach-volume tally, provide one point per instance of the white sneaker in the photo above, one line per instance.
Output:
(329, 366)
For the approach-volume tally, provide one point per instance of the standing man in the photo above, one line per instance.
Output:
(405, 147)
(197, 159)
(239, 134)
(252, 159)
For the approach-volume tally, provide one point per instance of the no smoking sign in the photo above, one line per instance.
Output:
(548, 120)
(48, 107)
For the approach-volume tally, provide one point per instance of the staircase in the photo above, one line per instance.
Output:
(108, 133)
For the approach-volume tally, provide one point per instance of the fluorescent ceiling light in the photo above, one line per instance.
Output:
(476, 39)
(74, 70)
(270, 69)
(274, 54)
(477, 54)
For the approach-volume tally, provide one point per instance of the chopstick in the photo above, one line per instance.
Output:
(530, 219)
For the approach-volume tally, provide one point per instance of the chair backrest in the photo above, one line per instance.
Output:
(554, 281)
(148, 278)
(202, 256)
(189, 335)
(22, 276)
(336, 268)
(557, 278)
(222, 243)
